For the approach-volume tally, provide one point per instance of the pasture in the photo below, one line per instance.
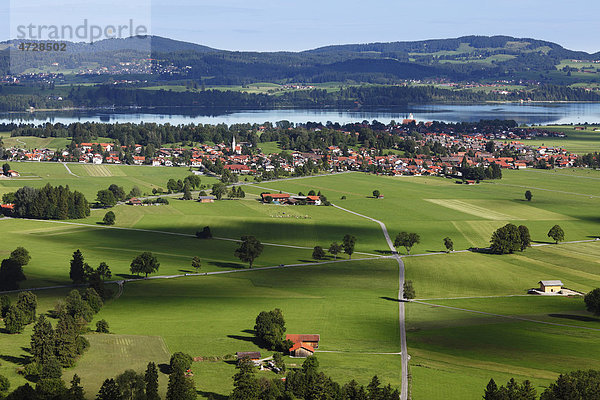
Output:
(88, 179)
(455, 348)
(579, 142)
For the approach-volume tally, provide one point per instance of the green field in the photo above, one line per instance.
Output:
(88, 179)
(454, 352)
(579, 142)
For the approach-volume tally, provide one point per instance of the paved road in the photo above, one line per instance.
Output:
(401, 311)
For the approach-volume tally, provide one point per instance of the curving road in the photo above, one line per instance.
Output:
(401, 312)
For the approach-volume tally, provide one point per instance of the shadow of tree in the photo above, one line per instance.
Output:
(392, 299)
(20, 360)
(164, 368)
(582, 318)
(229, 265)
(212, 395)
(251, 339)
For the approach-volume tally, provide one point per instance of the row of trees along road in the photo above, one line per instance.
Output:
(348, 244)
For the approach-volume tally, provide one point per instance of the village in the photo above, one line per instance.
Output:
(242, 159)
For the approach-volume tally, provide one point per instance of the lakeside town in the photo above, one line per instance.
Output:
(507, 148)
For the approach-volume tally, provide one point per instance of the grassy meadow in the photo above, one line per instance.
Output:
(579, 142)
(454, 351)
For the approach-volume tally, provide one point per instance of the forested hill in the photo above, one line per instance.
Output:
(464, 59)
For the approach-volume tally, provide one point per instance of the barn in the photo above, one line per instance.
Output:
(311, 340)
(302, 350)
(550, 286)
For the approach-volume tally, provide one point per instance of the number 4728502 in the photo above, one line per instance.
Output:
(41, 46)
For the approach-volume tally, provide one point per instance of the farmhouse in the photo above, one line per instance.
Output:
(135, 202)
(278, 198)
(311, 340)
(206, 199)
(302, 350)
(13, 174)
(550, 286)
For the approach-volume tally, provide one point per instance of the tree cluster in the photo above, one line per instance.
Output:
(307, 383)
(23, 312)
(50, 203)
(510, 238)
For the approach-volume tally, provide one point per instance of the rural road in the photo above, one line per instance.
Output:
(401, 311)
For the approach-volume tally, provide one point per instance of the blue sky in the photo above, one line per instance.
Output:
(298, 25)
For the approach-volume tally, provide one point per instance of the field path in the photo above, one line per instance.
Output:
(401, 311)
(121, 282)
(69, 170)
(505, 316)
(171, 233)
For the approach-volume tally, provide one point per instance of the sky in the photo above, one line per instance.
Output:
(272, 25)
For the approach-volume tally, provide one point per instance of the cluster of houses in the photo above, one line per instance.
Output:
(473, 148)
(288, 199)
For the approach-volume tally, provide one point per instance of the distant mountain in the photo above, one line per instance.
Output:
(155, 43)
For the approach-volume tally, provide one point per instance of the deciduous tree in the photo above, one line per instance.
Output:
(449, 244)
(145, 263)
(318, 253)
(348, 243)
(335, 249)
(109, 218)
(556, 233)
(250, 249)
(407, 240)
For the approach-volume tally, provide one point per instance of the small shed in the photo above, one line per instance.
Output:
(550, 286)
(252, 355)
(302, 350)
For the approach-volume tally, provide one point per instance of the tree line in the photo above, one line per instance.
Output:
(48, 202)
(576, 385)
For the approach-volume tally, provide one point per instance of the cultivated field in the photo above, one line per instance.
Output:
(474, 320)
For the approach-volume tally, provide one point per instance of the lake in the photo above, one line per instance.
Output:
(532, 113)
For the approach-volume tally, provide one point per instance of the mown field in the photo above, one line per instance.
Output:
(88, 178)
(453, 352)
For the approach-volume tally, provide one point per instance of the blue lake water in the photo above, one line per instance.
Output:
(538, 113)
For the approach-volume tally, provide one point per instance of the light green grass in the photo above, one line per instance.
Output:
(453, 353)
(579, 142)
